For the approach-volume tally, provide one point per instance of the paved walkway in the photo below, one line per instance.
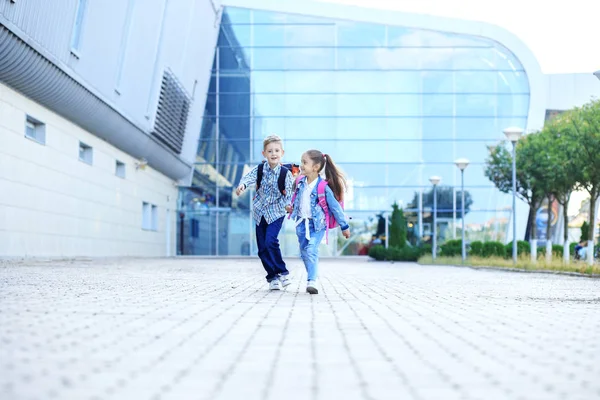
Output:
(209, 329)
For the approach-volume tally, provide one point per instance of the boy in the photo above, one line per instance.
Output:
(269, 209)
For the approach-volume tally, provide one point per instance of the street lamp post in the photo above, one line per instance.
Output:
(462, 164)
(434, 181)
(514, 134)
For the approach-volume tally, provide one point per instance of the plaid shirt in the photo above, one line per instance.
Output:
(268, 201)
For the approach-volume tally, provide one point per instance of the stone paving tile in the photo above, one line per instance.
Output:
(209, 329)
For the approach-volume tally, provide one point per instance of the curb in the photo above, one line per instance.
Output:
(531, 271)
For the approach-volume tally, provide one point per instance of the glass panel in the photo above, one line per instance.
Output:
(310, 81)
(361, 105)
(268, 35)
(322, 34)
(513, 105)
(355, 34)
(310, 105)
(473, 58)
(309, 58)
(380, 198)
(268, 58)
(484, 128)
(476, 105)
(359, 128)
(236, 16)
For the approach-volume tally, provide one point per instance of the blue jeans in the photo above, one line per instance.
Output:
(309, 249)
(268, 248)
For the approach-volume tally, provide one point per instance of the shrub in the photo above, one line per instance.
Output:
(377, 252)
(557, 250)
(451, 248)
(494, 249)
(395, 253)
(572, 248)
(425, 249)
(523, 247)
(476, 248)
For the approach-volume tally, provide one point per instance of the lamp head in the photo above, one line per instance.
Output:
(462, 163)
(513, 133)
(435, 180)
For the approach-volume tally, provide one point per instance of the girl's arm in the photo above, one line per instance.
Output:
(336, 209)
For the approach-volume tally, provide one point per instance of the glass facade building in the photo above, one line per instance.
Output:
(392, 106)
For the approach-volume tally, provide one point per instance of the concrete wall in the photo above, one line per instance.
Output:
(52, 204)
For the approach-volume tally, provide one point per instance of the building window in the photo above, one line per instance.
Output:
(86, 153)
(35, 130)
(149, 217)
(120, 169)
(77, 27)
(195, 228)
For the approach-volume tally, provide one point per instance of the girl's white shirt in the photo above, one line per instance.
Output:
(305, 210)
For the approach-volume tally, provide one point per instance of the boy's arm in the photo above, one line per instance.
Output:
(336, 209)
(249, 178)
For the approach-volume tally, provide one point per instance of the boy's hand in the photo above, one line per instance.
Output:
(289, 208)
(346, 233)
(240, 189)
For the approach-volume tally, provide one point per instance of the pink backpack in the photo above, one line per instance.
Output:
(330, 220)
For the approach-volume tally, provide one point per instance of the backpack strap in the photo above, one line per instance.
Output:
(322, 199)
(282, 175)
(295, 192)
(259, 175)
(280, 179)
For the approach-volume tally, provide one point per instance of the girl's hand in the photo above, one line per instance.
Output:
(289, 208)
(240, 189)
(346, 233)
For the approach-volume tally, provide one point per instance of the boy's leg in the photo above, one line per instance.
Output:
(263, 253)
(272, 247)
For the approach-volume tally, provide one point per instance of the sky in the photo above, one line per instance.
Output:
(563, 35)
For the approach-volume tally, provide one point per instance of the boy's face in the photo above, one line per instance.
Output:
(273, 153)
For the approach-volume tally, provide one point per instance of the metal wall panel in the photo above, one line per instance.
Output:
(28, 72)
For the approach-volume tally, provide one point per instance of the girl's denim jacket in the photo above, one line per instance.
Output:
(318, 215)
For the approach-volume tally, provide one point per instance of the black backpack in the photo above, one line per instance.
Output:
(282, 174)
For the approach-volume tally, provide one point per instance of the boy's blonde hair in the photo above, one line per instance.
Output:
(272, 139)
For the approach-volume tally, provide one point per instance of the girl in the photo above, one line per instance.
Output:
(309, 215)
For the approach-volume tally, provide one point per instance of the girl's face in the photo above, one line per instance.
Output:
(308, 167)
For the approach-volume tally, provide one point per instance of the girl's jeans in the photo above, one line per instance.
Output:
(309, 249)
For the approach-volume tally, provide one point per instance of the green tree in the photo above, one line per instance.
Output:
(445, 202)
(537, 157)
(564, 172)
(585, 122)
(585, 231)
(397, 227)
(499, 171)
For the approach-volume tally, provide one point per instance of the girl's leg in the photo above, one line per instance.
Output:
(303, 242)
(312, 253)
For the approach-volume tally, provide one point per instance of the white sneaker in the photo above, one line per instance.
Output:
(311, 287)
(285, 280)
(274, 285)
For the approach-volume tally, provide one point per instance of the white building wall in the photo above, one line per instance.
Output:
(566, 91)
(52, 204)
